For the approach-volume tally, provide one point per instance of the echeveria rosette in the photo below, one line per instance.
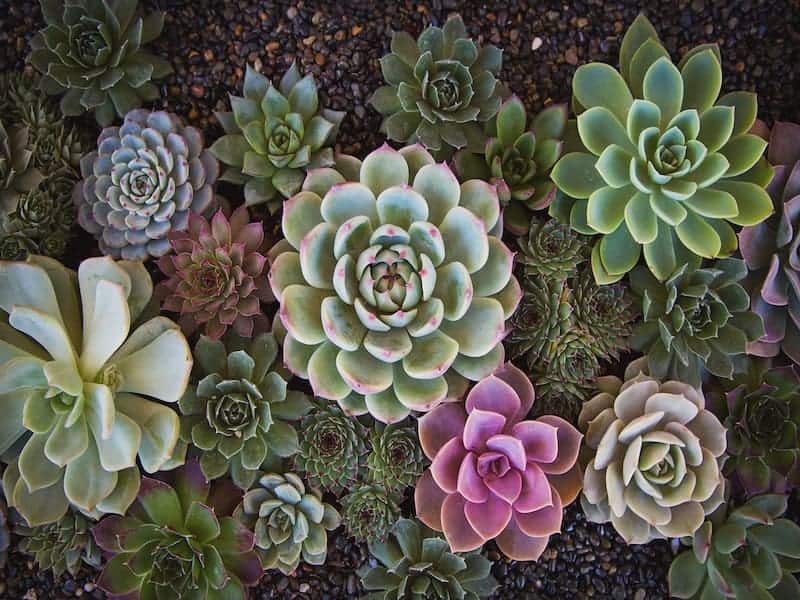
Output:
(697, 320)
(143, 181)
(653, 454)
(177, 541)
(83, 385)
(770, 250)
(240, 414)
(495, 475)
(274, 135)
(61, 546)
(215, 277)
(369, 512)
(91, 52)
(441, 89)
(395, 460)
(747, 553)
(667, 165)
(290, 521)
(416, 563)
(518, 160)
(395, 290)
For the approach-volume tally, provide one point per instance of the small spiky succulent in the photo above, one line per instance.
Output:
(274, 135)
(441, 89)
(518, 160)
(416, 563)
(552, 250)
(369, 512)
(747, 553)
(61, 546)
(332, 448)
(290, 521)
(91, 52)
(668, 166)
(17, 175)
(395, 460)
(697, 320)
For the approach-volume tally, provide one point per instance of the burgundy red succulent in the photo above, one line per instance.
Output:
(495, 475)
(216, 276)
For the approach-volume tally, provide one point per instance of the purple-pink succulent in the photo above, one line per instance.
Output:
(495, 475)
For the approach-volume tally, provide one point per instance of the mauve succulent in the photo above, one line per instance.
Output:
(495, 475)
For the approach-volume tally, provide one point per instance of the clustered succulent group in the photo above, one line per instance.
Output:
(443, 321)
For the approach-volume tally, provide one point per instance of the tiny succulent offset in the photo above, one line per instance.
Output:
(275, 134)
(551, 250)
(668, 166)
(369, 512)
(441, 89)
(61, 546)
(395, 459)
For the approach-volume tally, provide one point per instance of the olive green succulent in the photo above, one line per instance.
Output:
(91, 52)
(416, 563)
(395, 460)
(441, 89)
(369, 512)
(667, 166)
(551, 249)
(275, 134)
(747, 553)
(17, 175)
(290, 522)
(61, 546)
(695, 321)
(239, 414)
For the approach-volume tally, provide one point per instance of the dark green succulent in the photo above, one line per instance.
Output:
(417, 564)
(369, 512)
(552, 250)
(5, 532)
(239, 414)
(91, 52)
(17, 175)
(748, 553)
(441, 89)
(61, 546)
(396, 460)
(696, 320)
(605, 311)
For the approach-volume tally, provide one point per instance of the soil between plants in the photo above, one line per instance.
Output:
(211, 41)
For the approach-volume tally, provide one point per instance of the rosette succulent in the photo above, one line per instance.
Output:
(747, 554)
(392, 292)
(494, 474)
(416, 563)
(215, 278)
(332, 449)
(290, 521)
(143, 181)
(653, 457)
(239, 414)
(441, 89)
(668, 166)
(552, 250)
(61, 546)
(518, 160)
(275, 134)
(83, 387)
(91, 52)
(17, 174)
(695, 321)
(770, 250)
(369, 512)
(395, 460)
(176, 542)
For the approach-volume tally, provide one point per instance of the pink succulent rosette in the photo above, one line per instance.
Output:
(494, 475)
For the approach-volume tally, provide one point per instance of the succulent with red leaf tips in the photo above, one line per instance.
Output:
(217, 278)
(495, 475)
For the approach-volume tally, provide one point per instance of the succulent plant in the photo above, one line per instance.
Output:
(668, 166)
(770, 250)
(441, 88)
(605, 312)
(17, 175)
(695, 321)
(84, 389)
(518, 161)
(395, 460)
(748, 554)
(392, 304)
(91, 52)
(290, 522)
(61, 546)
(551, 250)
(215, 278)
(495, 475)
(275, 134)
(332, 449)
(653, 455)
(416, 563)
(239, 414)
(175, 542)
(369, 512)
(143, 181)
